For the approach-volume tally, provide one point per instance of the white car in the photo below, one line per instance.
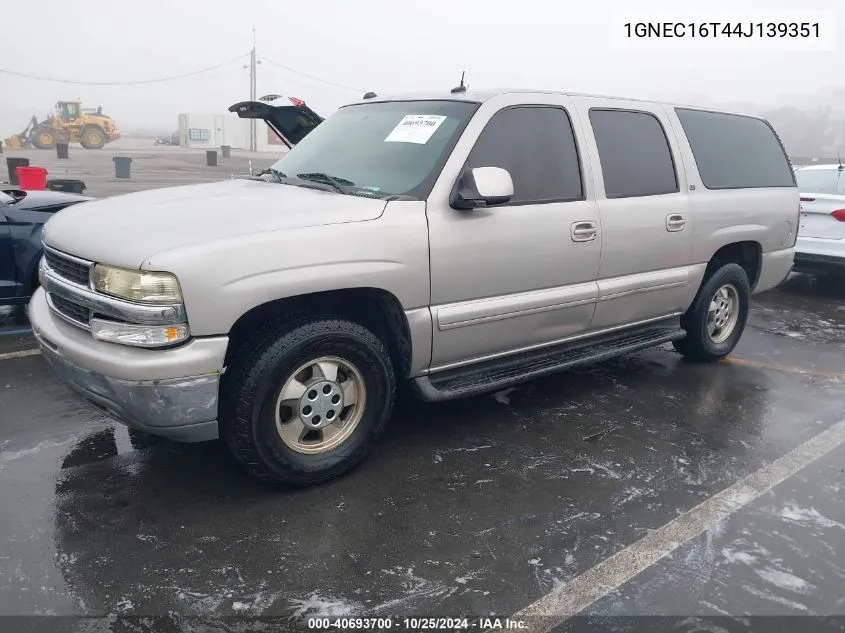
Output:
(821, 234)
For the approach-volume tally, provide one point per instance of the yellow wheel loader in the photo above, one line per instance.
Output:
(70, 123)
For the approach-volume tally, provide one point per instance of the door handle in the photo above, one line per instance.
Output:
(675, 222)
(584, 231)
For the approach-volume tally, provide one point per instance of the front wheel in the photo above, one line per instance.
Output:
(92, 138)
(306, 400)
(44, 138)
(716, 319)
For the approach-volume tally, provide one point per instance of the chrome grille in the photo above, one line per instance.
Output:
(70, 269)
(70, 310)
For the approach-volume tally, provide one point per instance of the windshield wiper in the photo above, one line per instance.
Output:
(273, 172)
(340, 184)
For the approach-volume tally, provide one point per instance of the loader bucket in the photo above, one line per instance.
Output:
(13, 143)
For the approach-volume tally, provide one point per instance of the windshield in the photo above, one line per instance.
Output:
(6, 198)
(393, 148)
(829, 181)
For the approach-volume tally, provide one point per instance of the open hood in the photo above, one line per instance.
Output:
(288, 117)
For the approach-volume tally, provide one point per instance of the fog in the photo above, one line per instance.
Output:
(341, 48)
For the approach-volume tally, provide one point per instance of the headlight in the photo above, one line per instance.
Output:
(138, 335)
(137, 285)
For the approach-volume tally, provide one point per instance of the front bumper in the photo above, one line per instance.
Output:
(172, 392)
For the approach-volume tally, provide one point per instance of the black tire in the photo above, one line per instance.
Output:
(44, 138)
(257, 375)
(92, 138)
(698, 344)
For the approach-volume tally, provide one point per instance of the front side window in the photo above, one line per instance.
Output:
(634, 153)
(391, 148)
(829, 181)
(537, 146)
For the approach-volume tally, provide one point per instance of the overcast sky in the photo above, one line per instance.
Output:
(381, 45)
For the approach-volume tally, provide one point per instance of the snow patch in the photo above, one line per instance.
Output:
(765, 595)
(502, 396)
(785, 580)
(736, 556)
(318, 606)
(124, 605)
(414, 588)
(808, 516)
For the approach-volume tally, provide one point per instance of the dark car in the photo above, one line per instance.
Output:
(22, 216)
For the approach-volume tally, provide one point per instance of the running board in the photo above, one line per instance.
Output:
(500, 373)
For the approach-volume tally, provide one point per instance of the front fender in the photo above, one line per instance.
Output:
(223, 280)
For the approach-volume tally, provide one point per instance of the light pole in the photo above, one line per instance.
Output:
(253, 90)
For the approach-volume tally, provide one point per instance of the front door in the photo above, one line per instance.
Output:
(520, 275)
(647, 225)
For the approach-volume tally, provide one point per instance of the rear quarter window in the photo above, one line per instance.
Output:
(734, 151)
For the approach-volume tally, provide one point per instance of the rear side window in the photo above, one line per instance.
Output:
(734, 151)
(537, 146)
(829, 181)
(634, 154)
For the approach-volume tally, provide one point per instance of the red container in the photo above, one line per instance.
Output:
(32, 178)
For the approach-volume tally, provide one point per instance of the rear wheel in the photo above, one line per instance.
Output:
(92, 138)
(44, 138)
(306, 400)
(716, 319)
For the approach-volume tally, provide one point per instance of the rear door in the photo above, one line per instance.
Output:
(822, 202)
(646, 220)
(7, 259)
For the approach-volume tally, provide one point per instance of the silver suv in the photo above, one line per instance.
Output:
(464, 242)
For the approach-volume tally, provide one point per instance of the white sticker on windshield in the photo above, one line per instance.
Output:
(415, 128)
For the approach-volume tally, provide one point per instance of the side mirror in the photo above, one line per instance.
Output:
(483, 187)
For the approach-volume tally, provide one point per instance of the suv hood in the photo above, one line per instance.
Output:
(289, 117)
(129, 229)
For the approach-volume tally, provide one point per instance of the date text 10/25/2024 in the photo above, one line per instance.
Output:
(417, 624)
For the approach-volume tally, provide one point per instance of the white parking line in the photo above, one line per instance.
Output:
(21, 354)
(568, 600)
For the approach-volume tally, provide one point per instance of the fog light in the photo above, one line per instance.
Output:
(139, 335)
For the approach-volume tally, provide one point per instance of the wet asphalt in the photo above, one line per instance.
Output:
(474, 507)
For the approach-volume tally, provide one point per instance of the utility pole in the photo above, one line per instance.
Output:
(253, 146)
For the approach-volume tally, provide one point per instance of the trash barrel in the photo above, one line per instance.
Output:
(226, 150)
(13, 164)
(32, 178)
(211, 157)
(121, 166)
(61, 150)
